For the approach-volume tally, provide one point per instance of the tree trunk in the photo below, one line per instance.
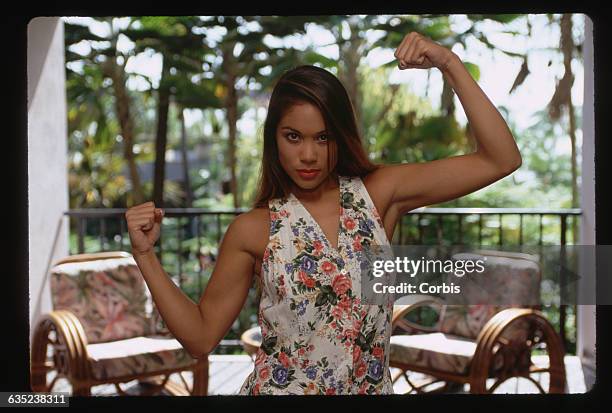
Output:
(161, 137)
(122, 108)
(350, 57)
(185, 163)
(447, 101)
(567, 46)
(231, 108)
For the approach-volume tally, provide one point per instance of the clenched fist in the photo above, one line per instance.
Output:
(419, 52)
(144, 225)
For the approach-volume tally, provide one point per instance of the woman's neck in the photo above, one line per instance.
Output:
(317, 193)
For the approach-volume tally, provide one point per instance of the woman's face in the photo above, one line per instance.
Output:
(303, 145)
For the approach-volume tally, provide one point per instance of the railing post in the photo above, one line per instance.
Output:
(179, 251)
(420, 224)
(197, 220)
(521, 229)
(81, 228)
(460, 218)
(480, 229)
(500, 242)
(562, 287)
(121, 230)
(102, 233)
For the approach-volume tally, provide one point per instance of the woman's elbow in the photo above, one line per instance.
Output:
(509, 167)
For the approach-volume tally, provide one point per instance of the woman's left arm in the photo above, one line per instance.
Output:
(418, 184)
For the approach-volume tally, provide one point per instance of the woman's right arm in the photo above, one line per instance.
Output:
(199, 328)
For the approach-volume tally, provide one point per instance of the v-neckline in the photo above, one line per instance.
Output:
(316, 224)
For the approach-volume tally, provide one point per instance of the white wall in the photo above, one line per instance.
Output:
(586, 313)
(47, 157)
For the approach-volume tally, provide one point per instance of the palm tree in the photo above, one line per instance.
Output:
(182, 50)
(112, 63)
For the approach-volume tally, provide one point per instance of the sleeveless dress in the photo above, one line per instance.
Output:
(317, 336)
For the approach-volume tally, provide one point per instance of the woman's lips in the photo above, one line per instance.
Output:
(308, 173)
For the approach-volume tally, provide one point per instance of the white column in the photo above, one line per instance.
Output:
(586, 313)
(47, 157)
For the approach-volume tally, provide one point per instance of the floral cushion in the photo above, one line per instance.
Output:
(437, 351)
(138, 355)
(109, 296)
(508, 281)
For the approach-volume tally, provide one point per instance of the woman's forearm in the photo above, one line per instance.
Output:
(181, 315)
(493, 137)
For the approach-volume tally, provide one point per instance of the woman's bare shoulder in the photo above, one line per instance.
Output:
(379, 187)
(253, 227)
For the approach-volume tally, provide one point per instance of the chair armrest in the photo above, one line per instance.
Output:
(410, 303)
(70, 336)
(493, 330)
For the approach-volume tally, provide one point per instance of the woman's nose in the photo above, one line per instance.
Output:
(308, 152)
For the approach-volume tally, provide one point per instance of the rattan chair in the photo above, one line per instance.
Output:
(105, 329)
(481, 345)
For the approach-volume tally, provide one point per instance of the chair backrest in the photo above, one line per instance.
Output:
(509, 279)
(107, 292)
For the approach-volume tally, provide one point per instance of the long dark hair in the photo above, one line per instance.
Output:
(321, 88)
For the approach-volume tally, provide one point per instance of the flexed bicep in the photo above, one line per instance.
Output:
(415, 185)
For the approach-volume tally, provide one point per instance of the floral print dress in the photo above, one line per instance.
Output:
(317, 336)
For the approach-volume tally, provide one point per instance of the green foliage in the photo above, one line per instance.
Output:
(399, 126)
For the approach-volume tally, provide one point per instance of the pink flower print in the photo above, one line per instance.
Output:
(273, 216)
(283, 213)
(282, 357)
(350, 334)
(260, 358)
(264, 373)
(357, 243)
(330, 391)
(336, 313)
(318, 245)
(327, 267)
(344, 303)
(304, 278)
(378, 352)
(356, 353)
(341, 284)
(361, 369)
(349, 223)
(256, 389)
(104, 279)
(310, 389)
(112, 313)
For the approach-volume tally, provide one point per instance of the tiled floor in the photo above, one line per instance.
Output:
(228, 372)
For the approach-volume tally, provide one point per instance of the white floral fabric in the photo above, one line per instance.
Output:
(317, 335)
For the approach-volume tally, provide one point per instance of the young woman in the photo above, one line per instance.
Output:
(320, 201)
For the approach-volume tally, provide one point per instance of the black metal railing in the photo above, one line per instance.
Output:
(450, 226)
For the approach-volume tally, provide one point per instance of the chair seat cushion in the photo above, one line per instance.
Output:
(437, 351)
(137, 355)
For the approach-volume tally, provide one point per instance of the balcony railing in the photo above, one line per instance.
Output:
(95, 230)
